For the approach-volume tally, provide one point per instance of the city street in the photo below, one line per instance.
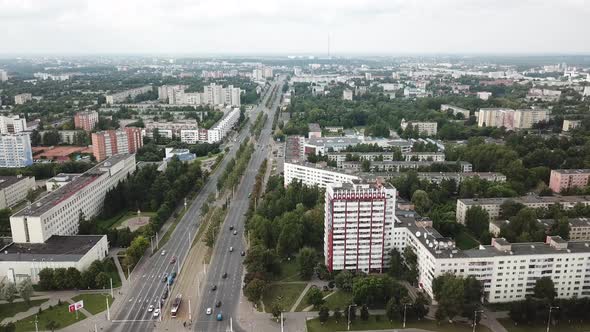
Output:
(146, 285)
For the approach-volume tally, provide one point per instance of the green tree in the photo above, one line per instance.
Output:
(396, 268)
(25, 290)
(510, 208)
(365, 312)
(545, 289)
(35, 138)
(73, 278)
(337, 315)
(52, 325)
(366, 165)
(9, 292)
(102, 280)
(59, 278)
(46, 279)
(421, 306)
(254, 290)
(344, 280)
(449, 293)
(306, 261)
(324, 314)
(561, 227)
(392, 310)
(276, 309)
(421, 201)
(315, 297)
(477, 221)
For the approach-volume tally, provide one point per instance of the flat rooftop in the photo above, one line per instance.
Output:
(7, 181)
(530, 199)
(57, 248)
(572, 171)
(48, 201)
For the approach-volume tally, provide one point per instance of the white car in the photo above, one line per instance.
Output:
(209, 311)
(156, 313)
(151, 308)
(163, 252)
(231, 249)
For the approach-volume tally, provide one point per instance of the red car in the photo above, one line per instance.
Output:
(173, 260)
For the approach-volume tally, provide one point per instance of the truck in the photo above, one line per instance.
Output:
(176, 305)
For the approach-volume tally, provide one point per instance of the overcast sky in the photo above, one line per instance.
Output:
(300, 26)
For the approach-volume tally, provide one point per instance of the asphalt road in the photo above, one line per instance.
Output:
(224, 261)
(146, 284)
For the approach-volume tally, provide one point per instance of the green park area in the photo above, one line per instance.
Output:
(94, 303)
(53, 318)
(11, 309)
(378, 322)
(561, 327)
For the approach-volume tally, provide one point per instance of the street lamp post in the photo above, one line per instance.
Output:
(404, 324)
(350, 306)
(475, 318)
(549, 319)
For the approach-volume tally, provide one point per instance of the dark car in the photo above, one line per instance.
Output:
(218, 304)
(243, 253)
(214, 288)
(165, 295)
(231, 228)
(165, 277)
(224, 275)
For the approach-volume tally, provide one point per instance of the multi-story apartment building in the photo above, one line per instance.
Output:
(15, 150)
(455, 110)
(347, 94)
(86, 120)
(12, 124)
(358, 226)
(3, 75)
(22, 98)
(121, 97)
(189, 136)
(14, 189)
(58, 213)
(223, 126)
(173, 127)
(492, 205)
(424, 128)
(508, 271)
(111, 142)
(564, 179)
(315, 174)
(294, 149)
(511, 119)
(314, 130)
(397, 166)
(571, 124)
(325, 144)
(438, 177)
(212, 94)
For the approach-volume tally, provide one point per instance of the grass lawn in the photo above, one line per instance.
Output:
(509, 325)
(381, 323)
(94, 303)
(114, 274)
(289, 271)
(286, 294)
(339, 299)
(58, 313)
(11, 309)
(465, 241)
(129, 215)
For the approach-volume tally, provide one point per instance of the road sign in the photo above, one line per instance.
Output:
(76, 306)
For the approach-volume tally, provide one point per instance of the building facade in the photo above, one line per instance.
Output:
(58, 213)
(358, 224)
(86, 120)
(111, 142)
(312, 174)
(121, 97)
(15, 150)
(12, 124)
(22, 98)
(511, 119)
(14, 189)
(564, 179)
(424, 128)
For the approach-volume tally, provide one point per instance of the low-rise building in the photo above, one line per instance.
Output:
(564, 179)
(183, 155)
(570, 124)
(314, 130)
(22, 98)
(424, 128)
(347, 94)
(484, 95)
(324, 144)
(14, 189)
(492, 205)
(173, 128)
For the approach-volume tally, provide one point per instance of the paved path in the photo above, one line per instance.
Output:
(300, 298)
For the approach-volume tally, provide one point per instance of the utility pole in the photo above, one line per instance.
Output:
(189, 310)
(112, 288)
(549, 319)
(282, 327)
(475, 318)
(36, 321)
(404, 325)
(108, 309)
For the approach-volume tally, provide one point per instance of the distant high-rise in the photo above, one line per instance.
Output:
(15, 150)
(111, 142)
(86, 120)
(3, 75)
(12, 124)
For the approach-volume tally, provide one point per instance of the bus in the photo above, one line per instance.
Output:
(176, 305)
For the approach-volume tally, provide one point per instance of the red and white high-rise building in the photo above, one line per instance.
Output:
(358, 226)
(86, 120)
(111, 142)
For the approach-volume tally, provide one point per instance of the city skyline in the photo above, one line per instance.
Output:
(281, 27)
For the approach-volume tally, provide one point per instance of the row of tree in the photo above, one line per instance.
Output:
(96, 276)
